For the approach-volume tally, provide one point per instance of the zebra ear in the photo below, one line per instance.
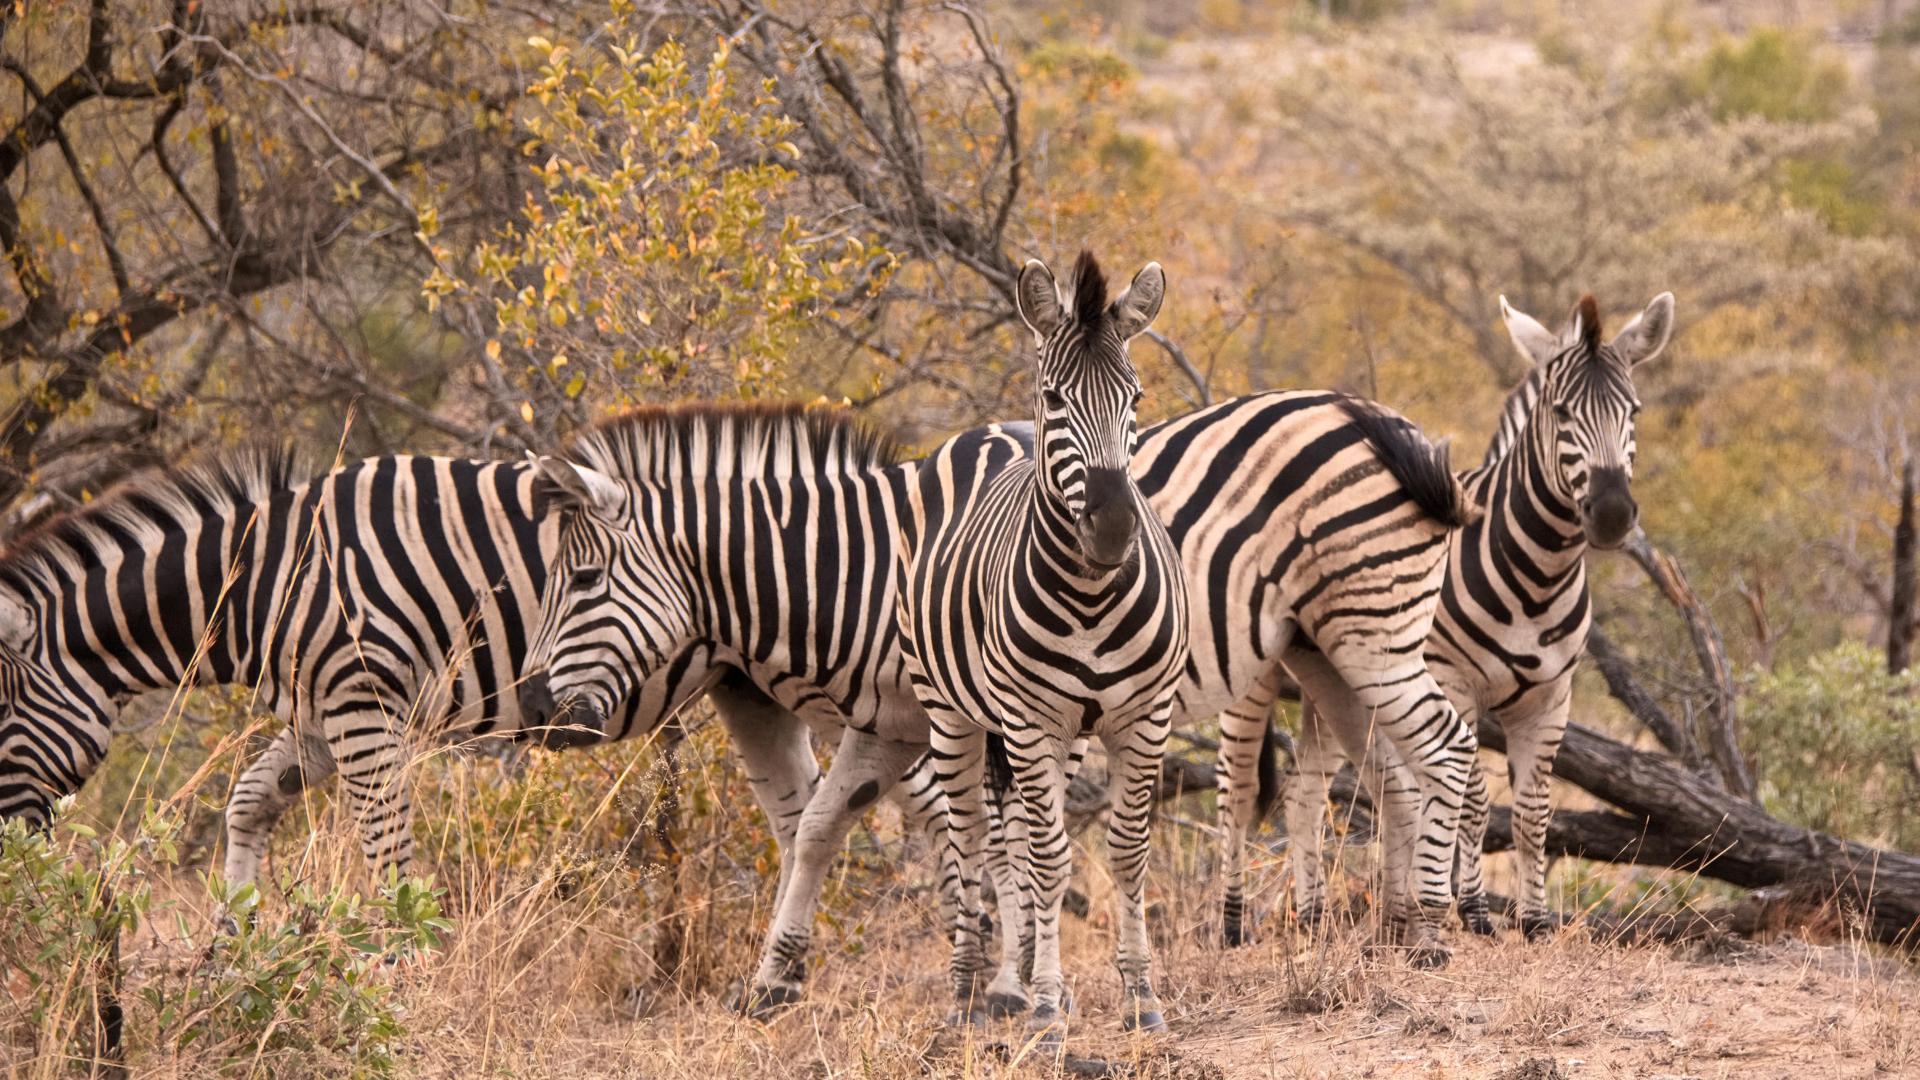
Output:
(1535, 343)
(1038, 298)
(1133, 311)
(16, 621)
(1646, 336)
(588, 489)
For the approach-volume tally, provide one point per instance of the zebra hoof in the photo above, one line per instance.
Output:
(1002, 1005)
(1538, 927)
(1475, 918)
(962, 1017)
(1233, 933)
(1429, 957)
(1143, 1016)
(763, 1003)
(1049, 1029)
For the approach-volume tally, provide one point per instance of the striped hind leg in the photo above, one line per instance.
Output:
(288, 766)
(776, 752)
(1316, 759)
(1135, 754)
(1243, 734)
(1393, 694)
(863, 767)
(1467, 879)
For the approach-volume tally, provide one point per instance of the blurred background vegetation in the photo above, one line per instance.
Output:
(374, 227)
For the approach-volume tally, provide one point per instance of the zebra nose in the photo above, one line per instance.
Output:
(536, 699)
(1110, 520)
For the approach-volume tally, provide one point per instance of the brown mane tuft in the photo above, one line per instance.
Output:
(1089, 290)
(1588, 313)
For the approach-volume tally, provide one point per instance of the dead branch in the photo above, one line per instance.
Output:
(1721, 738)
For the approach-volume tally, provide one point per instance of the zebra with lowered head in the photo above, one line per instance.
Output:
(1044, 603)
(1514, 607)
(383, 605)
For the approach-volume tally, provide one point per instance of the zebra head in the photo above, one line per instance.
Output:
(612, 610)
(1583, 421)
(1087, 395)
(52, 733)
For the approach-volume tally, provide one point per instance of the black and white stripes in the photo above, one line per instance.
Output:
(1042, 604)
(1514, 611)
(382, 605)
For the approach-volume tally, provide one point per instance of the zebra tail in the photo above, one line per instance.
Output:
(1423, 469)
(999, 767)
(1268, 772)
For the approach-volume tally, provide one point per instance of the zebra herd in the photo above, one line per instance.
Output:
(961, 624)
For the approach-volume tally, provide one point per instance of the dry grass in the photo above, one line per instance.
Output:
(551, 973)
(555, 966)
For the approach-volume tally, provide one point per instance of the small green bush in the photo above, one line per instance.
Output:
(302, 990)
(1833, 741)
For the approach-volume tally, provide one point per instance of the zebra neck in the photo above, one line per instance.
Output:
(1533, 529)
(1056, 536)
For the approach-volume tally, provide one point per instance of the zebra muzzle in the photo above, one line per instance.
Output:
(555, 726)
(1110, 521)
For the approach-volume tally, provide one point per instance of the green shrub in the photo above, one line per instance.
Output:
(1833, 741)
(307, 989)
(65, 898)
(307, 984)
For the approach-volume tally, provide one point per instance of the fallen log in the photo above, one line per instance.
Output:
(1673, 817)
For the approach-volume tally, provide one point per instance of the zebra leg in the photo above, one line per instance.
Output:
(923, 810)
(1136, 757)
(1315, 761)
(1531, 746)
(959, 755)
(1468, 884)
(863, 767)
(1039, 776)
(1006, 859)
(1363, 690)
(776, 752)
(1395, 795)
(264, 791)
(1243, 729)
(374, 757)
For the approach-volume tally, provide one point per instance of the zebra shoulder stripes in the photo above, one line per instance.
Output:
(1043, 603)
(1514, 609)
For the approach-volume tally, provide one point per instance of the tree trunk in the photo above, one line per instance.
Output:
(1900, 609)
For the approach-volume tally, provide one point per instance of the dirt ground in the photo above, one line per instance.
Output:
(1283, 1007)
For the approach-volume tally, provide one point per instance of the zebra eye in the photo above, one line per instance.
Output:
(585, 578)
(1138, 397)
(1052, 400)
(1562, 413)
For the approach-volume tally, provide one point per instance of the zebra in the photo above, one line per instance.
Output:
(1294, 511)
(766, 534)
(1044, 603)
(1514, 607)
(384, 603)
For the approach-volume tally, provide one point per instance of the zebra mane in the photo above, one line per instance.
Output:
(149, 504)
(1513, 415)
(657, 443)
